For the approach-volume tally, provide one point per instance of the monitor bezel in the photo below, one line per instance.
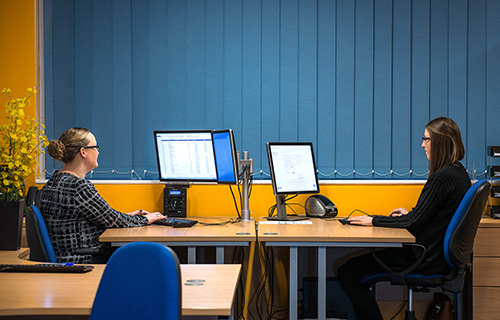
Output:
(234, 155)
(271, 166)
(183, 131)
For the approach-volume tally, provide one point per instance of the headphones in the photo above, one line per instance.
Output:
(320, 206)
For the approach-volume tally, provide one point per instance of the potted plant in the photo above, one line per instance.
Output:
(22, 139)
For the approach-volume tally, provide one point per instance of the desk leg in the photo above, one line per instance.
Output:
(231, 317)
(321, 282)
(191, 255)
(294, 274)
(219, 255)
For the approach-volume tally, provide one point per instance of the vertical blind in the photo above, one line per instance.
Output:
(358, 78)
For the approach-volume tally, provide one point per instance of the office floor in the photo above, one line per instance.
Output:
(390, 308)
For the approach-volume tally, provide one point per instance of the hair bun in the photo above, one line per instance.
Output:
(56, 149)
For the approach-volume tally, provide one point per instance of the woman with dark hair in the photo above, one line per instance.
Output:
(441, 195)
(74, 212)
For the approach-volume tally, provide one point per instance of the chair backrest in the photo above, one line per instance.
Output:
(33, 196)
(142, 280)
(461, 232)
(39, 242)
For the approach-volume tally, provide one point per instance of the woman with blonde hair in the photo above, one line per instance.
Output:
(74, 212)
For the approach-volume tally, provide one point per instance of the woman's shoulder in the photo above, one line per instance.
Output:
(452, 168)
(453, 171)
(61, 178)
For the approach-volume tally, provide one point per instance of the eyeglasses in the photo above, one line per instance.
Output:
(96, 147)
(425, 139)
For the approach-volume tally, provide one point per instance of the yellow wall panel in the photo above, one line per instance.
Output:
(216, 200)
(17, 54)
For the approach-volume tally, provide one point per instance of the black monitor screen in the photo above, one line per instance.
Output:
(225, 156)
(292, 167)
(185, 155)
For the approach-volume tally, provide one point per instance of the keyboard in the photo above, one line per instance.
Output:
(176, 222)
(46, 267)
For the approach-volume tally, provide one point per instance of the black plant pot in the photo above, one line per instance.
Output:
(11, 224)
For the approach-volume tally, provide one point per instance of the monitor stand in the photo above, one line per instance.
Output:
(281, 211)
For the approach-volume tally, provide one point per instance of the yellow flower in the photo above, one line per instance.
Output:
(21, 142)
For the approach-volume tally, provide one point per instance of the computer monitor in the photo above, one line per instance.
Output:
(293, 171)
(185, 156)
(226, 158)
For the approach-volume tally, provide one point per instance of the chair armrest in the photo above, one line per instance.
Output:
(398, 277)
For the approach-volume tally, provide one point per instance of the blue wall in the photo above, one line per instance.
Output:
(360, 79)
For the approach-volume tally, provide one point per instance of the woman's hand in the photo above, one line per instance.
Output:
(398, 212)
(136, 212)
(361, 220)
(154, 216)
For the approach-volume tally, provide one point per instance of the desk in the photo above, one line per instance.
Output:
(73, 294)
(231, 234)
(323, 233)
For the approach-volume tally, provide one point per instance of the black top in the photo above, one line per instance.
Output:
(428, 221)
(76, 215)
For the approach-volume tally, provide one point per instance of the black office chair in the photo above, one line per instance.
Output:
(33, 196)
(458, 246)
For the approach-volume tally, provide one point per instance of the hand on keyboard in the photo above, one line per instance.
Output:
(152, 216)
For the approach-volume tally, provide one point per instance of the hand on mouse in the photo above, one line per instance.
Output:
(361, 220)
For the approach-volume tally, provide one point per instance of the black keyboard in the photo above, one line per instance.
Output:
(176, 222)
(45, 267)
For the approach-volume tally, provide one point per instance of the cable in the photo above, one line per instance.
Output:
(350, 214)
(399, 311)
(264, 295)
(235, 202)
(231, 220)
(270, 211)
(239, 258)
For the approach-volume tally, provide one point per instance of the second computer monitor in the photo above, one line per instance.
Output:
(225, 156)
(293, 171)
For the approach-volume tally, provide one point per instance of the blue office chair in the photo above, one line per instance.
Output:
(38, 237)
(458, 246)
(41, 249)
(142, 280)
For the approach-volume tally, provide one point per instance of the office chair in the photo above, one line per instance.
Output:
(33, 196)
(40, 245)
(458, 246)
(38, 237)
(142, 280)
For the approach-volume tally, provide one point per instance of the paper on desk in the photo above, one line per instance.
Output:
(285, 222)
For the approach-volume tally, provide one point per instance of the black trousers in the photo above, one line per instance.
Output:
(349, 275)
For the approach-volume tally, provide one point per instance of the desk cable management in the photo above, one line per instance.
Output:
(272, 209)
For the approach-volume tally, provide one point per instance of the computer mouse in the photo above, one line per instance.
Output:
(344, 221)
(181, 224)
